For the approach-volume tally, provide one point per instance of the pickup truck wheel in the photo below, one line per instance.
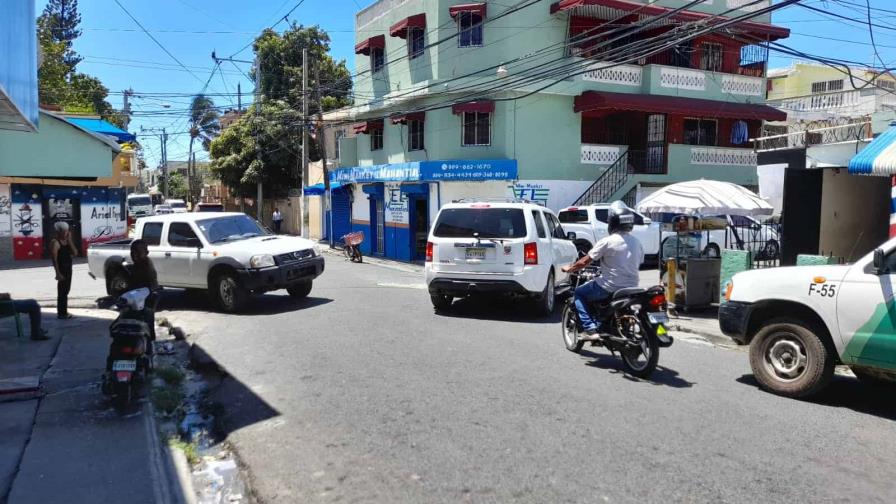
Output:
(790, 360)
(229, 295)
(117, 282)
(300, 291)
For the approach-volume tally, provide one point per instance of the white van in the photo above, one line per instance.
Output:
(509, 248)
(139, 205)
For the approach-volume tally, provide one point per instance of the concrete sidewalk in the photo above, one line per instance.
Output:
(65, 442)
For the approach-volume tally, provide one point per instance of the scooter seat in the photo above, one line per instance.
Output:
(629, 292)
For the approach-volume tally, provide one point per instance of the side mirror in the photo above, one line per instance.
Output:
(571, 236)
(194, 243)
(878, 266)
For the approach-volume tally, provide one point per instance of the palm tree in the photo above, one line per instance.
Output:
(204, 125)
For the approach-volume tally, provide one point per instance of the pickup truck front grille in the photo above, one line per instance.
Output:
(291, 257)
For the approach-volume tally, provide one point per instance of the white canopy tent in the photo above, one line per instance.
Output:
(705, 198)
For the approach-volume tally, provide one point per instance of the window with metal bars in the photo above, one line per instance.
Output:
(377, 59)
(376, 139)
(469, 27)
(700, 132)
(415, 42)
(711, 56)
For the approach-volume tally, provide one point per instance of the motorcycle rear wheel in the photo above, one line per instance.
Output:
(641, 362)
(122, 396)
(569, 324)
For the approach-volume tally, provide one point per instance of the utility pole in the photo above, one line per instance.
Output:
(258, 211)
(322, 141)
(163, 137)
(239, 98)
(126, 109)
(304, 182)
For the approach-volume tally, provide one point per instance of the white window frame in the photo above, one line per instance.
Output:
(422, 126)
(410, 35)
(463, 125)
(380, 133)
(460, 16)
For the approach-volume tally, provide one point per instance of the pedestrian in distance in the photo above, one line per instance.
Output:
(32, 309)
(62, 250)
(278, 220)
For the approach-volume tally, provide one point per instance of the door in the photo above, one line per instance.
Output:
(341, 206)
(66, 210)
(418, 204)
(656, 144)
(182, 255)
(866, 312)
(152, 235)
(563, 251)
(380, 223)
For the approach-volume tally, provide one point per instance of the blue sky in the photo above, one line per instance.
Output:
(122, 56)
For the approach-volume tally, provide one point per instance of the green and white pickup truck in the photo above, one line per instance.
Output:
(802, 321)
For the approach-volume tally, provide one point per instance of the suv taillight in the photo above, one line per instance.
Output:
(530, 253)
(429, 247)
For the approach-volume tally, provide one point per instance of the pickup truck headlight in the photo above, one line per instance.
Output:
(315, 250)
(261, 261)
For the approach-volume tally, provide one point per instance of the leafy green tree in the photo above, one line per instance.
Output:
(178, 189)
(204, 126)
(265, 144)
(59, 21)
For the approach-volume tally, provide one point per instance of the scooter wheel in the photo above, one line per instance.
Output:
(122, 397)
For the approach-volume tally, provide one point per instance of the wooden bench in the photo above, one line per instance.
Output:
(8, 309)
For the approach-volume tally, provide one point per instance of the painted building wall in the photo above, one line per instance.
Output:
(18, 66)
(799, 80)
(58, 150)
(848, 229)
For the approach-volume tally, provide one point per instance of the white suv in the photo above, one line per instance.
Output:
(514, 248)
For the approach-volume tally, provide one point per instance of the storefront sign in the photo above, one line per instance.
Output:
(554, 194)
(430, 171)
(26, 210)
(396, 204)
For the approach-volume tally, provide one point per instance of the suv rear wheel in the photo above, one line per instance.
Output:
(548, 297)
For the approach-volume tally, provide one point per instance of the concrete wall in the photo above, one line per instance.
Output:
(855, 214)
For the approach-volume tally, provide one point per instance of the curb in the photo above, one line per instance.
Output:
(377, 261)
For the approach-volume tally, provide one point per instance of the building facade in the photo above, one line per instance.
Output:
(545, 102)
(62, 172)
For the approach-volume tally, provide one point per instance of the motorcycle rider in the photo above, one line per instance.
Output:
(143, 275)
(620, 255)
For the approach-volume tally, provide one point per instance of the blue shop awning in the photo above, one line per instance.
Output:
(878, 158)
(319, 189)
(103, 128)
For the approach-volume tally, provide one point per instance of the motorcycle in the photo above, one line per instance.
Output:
(631, 321)
(130, 353)
(352, 246)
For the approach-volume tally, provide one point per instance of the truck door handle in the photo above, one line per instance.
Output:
(167, 254)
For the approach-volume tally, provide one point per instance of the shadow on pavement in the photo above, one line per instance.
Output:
(848, 392)
(237, 406)
(35, 263)
(661, 376)
(267, 304)
(499, 309)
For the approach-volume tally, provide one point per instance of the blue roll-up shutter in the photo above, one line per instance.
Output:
(342, 214)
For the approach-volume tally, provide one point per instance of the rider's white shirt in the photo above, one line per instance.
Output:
(620, 256)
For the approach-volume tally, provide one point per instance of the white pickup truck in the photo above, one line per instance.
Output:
(228, 254)
(802, 321)
(589, 223)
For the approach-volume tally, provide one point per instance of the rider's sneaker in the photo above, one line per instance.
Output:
(590, 335)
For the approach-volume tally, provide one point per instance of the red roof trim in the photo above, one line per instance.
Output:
(365, 128)
(376, 42)
(600, 101)
(412, 116)
(476, 8)
(400, 29)
(771, 31)
(484, 106)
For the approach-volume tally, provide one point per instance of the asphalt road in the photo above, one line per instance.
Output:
(362, 394)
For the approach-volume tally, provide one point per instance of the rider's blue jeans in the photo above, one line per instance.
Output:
(585, 294)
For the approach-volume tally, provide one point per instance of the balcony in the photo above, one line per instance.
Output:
(674, 81)
(848, 103)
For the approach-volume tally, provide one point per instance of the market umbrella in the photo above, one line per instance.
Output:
(705, 198)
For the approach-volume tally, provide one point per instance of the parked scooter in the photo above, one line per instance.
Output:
(631, 323)
(352, 247)
(130, 353)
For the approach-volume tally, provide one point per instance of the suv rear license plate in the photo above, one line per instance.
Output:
(475, 253)
(658, 317)
(124, 365)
